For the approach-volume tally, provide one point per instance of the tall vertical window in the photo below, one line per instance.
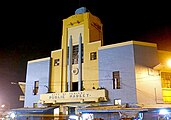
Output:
(116, 80)
(36, 87)
(166, 79)
(75, 54)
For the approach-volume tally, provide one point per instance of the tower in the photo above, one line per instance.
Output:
(76, 63)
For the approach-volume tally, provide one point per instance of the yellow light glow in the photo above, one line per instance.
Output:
(169, 63)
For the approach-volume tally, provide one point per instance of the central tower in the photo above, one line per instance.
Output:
(75, 65)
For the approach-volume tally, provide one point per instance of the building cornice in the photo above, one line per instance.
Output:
(132, 42)
(39, 60)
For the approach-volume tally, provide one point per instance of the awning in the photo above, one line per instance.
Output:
(110, 109)
(33, 110)
(22, 86)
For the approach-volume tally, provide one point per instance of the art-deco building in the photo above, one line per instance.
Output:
(123, 80)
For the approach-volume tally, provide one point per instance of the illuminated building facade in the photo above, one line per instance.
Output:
(85, 76)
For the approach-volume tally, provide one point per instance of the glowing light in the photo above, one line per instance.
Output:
(163, 112)
(169, 63)
(12, 115)
(73, 117)
(87, 116)
(2, 106)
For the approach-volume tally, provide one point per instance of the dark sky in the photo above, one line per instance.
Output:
(31, 30)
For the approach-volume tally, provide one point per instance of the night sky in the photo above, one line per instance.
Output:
(31, 30)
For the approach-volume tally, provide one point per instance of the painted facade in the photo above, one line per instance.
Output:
(84, 73)
(134, 61)
(37, 81)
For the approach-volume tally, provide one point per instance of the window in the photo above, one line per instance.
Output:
(166, 79)
(36, 87)
(75, 54)
(116, 80)
(56, 62)
(93, 56)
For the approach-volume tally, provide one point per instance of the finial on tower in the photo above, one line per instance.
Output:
(81, 10)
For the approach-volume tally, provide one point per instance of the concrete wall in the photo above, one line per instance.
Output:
(37, 70)
(56, 72)
(148, 83)
(118, 58)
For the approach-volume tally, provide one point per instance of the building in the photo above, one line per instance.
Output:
(88, 80)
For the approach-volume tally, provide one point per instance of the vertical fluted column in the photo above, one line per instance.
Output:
(80, 63)
(70, 64)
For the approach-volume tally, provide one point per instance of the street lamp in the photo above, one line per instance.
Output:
(165, 65)
(3, 105)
